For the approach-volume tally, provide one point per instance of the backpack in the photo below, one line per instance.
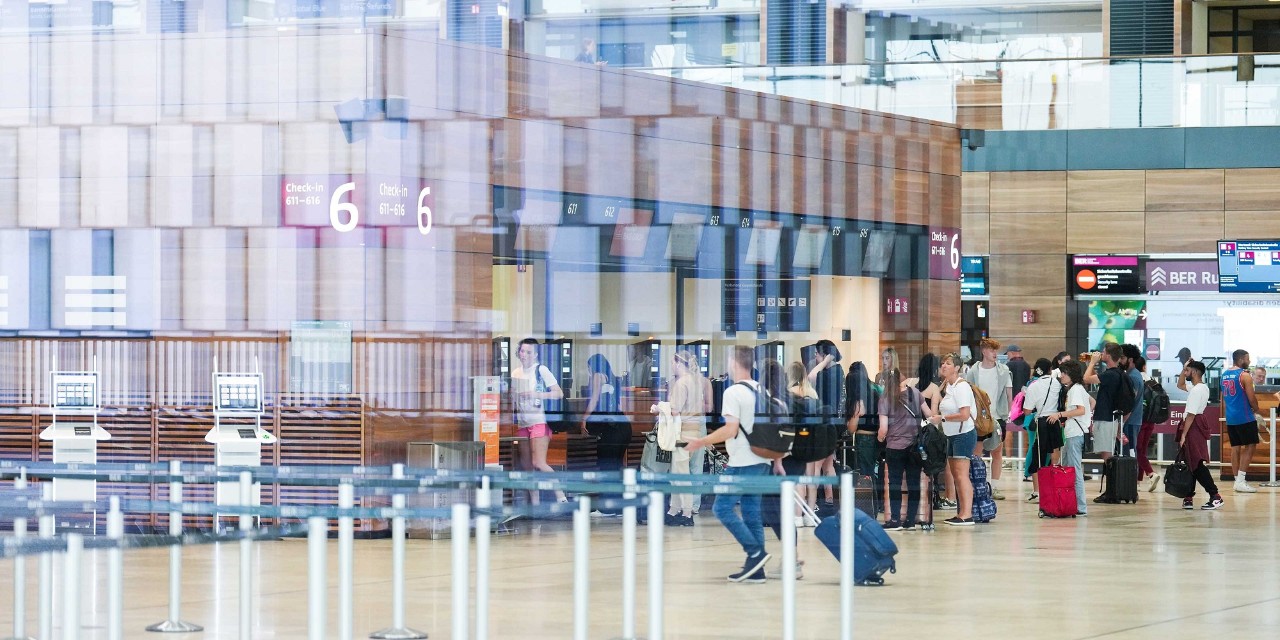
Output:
(770, 439)
(1126, 395)
(1016, 411)
(1156, 402)
(931, 449)
(816, 438)
(982, 420)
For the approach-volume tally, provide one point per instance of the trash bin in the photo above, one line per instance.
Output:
(460, 456)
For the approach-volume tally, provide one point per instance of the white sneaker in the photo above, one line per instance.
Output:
(1155, 482)
(810, 521)
(799, 522)
(1245, 487)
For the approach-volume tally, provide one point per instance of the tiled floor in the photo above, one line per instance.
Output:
(1149, 570)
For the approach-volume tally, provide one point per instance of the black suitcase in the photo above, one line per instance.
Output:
(1119, 480)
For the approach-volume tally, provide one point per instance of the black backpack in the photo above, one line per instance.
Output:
(1155, 402)
(930, 448)
(772, 432)
(816, 437)
(1126, 395)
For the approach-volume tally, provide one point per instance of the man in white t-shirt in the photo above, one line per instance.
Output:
(994, 378)
(739, 415)
(1193, 436)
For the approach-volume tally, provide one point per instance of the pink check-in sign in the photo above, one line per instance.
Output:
(944, 253)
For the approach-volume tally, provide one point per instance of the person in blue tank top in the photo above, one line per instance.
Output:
(1242, 420)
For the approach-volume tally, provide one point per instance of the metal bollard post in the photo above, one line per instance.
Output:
(846, 556)
(115, 572)
(246, 558)
(483, 522)
(1272, 426)
(46, 571)
(71, 587)
(397, 630)
(175, 624)
(20, 571)
(655, 565)
(346, 562)
(629, 557)
(461, 568)
(317, 538)
(788, 560)
(581, 573)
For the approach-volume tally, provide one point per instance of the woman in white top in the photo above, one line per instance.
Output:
(534, 383)
(1074, 417)
(690, 404)
(955, 414)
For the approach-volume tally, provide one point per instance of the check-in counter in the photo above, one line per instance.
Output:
(1259, 467)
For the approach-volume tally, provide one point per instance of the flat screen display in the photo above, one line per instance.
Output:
(762, 249)
(879, 250)
(685, 236)
(811, 246)
(537, 222)
(238, 392)
(630, 232)
(1249, 266)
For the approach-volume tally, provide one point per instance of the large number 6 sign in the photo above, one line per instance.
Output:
(336, 208)
(955, 251)
(424, 211)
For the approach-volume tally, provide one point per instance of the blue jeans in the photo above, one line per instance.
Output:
(1131, 432)
(1073, 456)
(748, 529)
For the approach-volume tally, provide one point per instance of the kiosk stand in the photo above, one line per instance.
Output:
(74, 393)
(237, 397)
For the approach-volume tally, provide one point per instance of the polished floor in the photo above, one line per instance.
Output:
(1149, 570)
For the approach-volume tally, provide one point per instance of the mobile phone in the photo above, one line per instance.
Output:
(681, 444)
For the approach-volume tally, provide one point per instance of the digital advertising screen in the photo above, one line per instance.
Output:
(1249, 266)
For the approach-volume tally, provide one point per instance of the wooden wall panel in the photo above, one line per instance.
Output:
(1186, 190)
(1028, 275)
(1028, 233)
(1257, 189)
(1242, 225)
(1184, 231)
(1028, 191)
(1006, 318)
(1106, 232)
(1106, 190)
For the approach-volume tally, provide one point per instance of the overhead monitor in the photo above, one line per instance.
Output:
(685, 236)
(811, 246)
(1249, 266)
(879, 249)
(537, 222)
(762, 248)
(630, 232)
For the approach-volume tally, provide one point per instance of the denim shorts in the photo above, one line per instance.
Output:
(961, 446)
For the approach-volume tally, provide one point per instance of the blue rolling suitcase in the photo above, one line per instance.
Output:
(873, 549)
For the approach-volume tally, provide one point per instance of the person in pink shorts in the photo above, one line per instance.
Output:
(533, 383)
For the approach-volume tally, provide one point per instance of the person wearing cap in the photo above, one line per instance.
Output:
(1020, 371)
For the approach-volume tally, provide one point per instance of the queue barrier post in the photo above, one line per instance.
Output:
(317, 539)
(788, 509)
(846, 556)
(20, 571)
(46, 571)
(115, 572)
(629, 557)
(71, 587)
(483, 523)
(581, 572)
(655, 565)
(174, 623)
(346, 561)
(397, 630)
(1272, 424)
(246, 558)
(461, 535)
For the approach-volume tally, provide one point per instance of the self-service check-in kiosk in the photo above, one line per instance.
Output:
(74, 393)
(237, 430)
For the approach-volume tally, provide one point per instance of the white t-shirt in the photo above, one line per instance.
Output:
(1074, 427)
(529, 410)
(1197, 398)
(740, 403)
(1041, 395)
(958, 395)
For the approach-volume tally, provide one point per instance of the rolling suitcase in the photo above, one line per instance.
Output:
(1057, 491)
(984, 505)
(873, 549)
(1119, 479)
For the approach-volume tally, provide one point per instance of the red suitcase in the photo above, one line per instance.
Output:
(1057, 491)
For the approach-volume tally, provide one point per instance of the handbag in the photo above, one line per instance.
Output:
(1179, 482)
(653, 458)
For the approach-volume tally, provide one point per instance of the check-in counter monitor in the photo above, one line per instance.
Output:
(74, 393)
(237, 433)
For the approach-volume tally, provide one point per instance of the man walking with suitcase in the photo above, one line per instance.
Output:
(739, 411)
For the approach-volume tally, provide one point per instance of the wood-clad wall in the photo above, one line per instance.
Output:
(1029, 222)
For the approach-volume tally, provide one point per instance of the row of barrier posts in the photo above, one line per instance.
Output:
(400, 483)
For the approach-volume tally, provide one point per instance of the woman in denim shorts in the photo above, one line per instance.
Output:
(955, 415)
